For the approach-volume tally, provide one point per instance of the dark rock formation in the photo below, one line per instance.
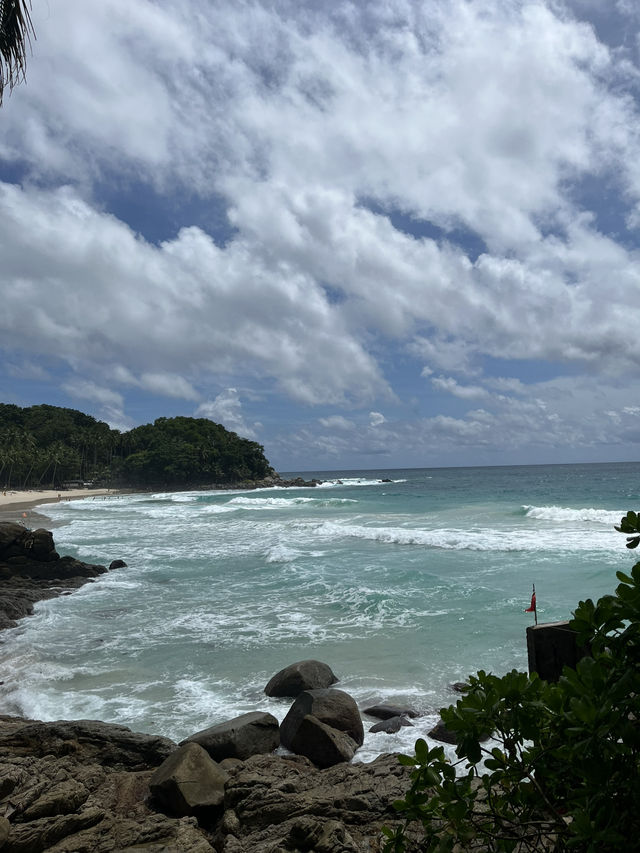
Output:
(331, 707)
(303, 675)
(31, 570)
(385, 712)
(117, 564)
(442, 733)
(391, 725)
(322, 744)
(188, 782)
(249, 734)
(81, 787)
(280, 803)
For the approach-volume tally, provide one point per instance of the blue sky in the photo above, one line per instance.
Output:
(365, 234)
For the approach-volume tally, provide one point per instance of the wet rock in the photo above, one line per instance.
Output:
(390, 726)
(117, 564)
(385, 712)
(303, 675)
(249, 734)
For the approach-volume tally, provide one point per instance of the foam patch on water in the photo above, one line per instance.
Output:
(479, 539)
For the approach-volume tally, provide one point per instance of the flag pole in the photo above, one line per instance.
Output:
(535, 604)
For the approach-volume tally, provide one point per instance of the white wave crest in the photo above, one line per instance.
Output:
(567, 514)
(479, 539)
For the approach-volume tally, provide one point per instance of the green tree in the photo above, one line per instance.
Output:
(560, 771)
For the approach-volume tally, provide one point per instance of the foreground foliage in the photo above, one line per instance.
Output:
(561, 770)
(48, 446)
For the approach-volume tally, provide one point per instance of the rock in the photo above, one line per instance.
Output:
(31, 570)
(330, 706)
(89, 741)
(442, 733)
(189, 782)
(249, 734)
(322, 744)
(117, 564)
(385, 712)
(303, 675)
(459, 686)
(56, 795)
(282, 803)
(5, 828)
(390, 726)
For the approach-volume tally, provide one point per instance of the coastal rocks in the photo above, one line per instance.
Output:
(189, 782)
(117, 564)
(304, 729)
(87, 740)
(385, 712)
(391, 725)
(82, 787)
(303, 675)
(249, 734)
(31, 570)
(284, 803)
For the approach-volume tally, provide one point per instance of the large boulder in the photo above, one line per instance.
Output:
(332, 707)
(249, 734)
(322, 744)
(189, 782)
(303, 675)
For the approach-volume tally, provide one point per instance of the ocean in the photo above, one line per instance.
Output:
(403, 581)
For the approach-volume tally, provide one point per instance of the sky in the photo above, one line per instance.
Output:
(366, 234)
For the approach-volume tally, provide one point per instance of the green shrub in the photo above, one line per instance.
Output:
(561, 771)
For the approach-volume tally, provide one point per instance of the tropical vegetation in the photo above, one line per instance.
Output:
(53, 446)
(16, 32)
(560, 771)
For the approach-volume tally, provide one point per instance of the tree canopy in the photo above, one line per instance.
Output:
(48, 446)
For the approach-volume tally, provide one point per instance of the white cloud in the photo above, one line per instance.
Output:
(485, 123)
(226, 409)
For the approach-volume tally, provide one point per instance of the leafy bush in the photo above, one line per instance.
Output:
(561, 771)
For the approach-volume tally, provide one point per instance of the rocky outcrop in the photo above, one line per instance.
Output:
(284, 803)
(391, 725)
(303, 675)
(82, 787)
(31, 570)
(89, 787)
(249, 734)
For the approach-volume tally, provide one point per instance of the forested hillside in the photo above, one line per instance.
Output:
(47, 446)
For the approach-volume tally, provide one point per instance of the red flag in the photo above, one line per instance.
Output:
(532, 607)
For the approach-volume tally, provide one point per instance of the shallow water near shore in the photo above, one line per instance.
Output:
(403, 587)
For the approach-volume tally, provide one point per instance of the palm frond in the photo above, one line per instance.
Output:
(16, 31)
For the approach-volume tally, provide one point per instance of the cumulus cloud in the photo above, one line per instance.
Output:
(412, 184)
(226, 409)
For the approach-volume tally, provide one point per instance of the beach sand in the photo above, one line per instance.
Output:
(17, 505)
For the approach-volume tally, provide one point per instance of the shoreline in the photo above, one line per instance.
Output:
(19, 504)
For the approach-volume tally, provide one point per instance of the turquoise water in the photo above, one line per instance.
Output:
(402, 587)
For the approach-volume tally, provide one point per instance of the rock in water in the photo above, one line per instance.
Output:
(303, 675)
(249, 734)
(390, 726)
(385, 712)
(330, 706)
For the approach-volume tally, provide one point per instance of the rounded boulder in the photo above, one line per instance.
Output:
(303, 675)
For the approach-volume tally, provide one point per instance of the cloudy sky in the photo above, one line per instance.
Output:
(367, 234)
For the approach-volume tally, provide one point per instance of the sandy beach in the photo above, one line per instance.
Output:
(17, 505)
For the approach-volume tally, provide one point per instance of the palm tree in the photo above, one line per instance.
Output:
(16, 31)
